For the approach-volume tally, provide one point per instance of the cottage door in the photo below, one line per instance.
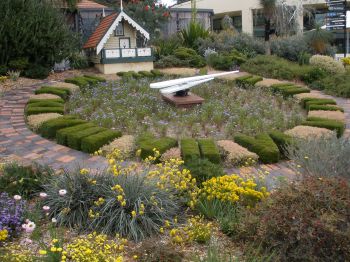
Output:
(124, 42)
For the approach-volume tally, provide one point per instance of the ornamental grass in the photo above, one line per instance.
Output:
(310, 132)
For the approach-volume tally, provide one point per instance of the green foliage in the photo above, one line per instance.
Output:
(49, 128)
(19, 64)
(79, 81)
(248, 80)
(45, 103)
(220, 61)
(157, 73)
(307, 102)
(78, 61)
(3, 70)
(166, 46)
(33, 110)
(192, 33)
(63, 93)
(325, 108)
(190, 56)
(73, 208)
(62, 134)
(262, 145)
(293, 48)
(209, 150)
(328, 64)
(94, 142)
(324, 157)
(282, 141)
(74, 139)
(189, 149)
(39, 20)
(146, 74)
(289, 89)
(148, 142)
(203, 169)
(55, 100)
(302, 221)
(36, 71)
(315, 74)
(334, 125)
(318, 39)
(95, 78)
(335, 84)
(25, 181)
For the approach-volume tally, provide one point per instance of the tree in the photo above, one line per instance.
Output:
(34, 30)
(268, 8)
(318, 39)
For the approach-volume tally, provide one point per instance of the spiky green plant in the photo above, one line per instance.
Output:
(192, 33)
(318, 39)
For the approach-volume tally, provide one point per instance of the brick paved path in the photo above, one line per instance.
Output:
(18, 142)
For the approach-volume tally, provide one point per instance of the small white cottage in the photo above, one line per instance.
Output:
(115, 45)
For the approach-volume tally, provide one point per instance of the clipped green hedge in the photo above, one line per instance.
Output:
(56, 100)
(262, 145)
(209, 150)
(49, 128)
(121, 74)
(97, 78)
(74, 138)
(248, 80)
(306, 102)
(157, 73)
(289, 89)
(61, 135)
(333, 125)
(325, 108)
(281, 140)
(41, 110)
(63, 93)
(79, 81)
(189, 149)
(93, 143)
(44, 103)
(146, 74)
(147, 144)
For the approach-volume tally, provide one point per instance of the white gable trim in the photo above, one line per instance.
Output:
(114, 26)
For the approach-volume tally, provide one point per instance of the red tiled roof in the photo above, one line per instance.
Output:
(87, 4)
(100, 31)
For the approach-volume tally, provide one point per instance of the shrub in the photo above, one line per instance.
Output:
(35, 121)
(301, 221)
(94, 142)
(11, 216)
(50, 127)
(327, 63)
(281, 140)
(209, 150)
(189, 149)
(37, 71)
(325, 108)
(306, 102)
(74, 139)
(121, 74)
(32, 110)
(326, 157)
(220, 61)
(333, 125)
(262, 145)
(45, 103)
(123, 204)
(97, 78)
(25, 181)
(79, 81)
(309, 132)
(184, 53)
(289, 47)
(313, 75)
(157, 73)
(146, 74)
(335, 84)
(189, 56)
(203, 169)
(147, 144)
(19, 64)
(55, 91)
(289, 89)
(56, 100)
(192, 33)
(248, 81)
(235, 154)
(62, 134)
(78, 61)
(3, 70)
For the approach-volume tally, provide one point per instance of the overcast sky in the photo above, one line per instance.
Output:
(169, 2)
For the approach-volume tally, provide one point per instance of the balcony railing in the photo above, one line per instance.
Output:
(126, 55)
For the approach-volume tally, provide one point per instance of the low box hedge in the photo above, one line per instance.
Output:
(67, 90)
(262, 145)
(61, 135)
(79, 81)
(253, 80)
(121, 74)
(294, 91)
(146, 74)
(333, 125)
(41, 110)
(55, 91)
(189, 149)
(49, 128)
(97, 78)
(56, 100)
(161, 144)
(157, 73)
(240, 81)
(248, 80)
(282, 141)
(74, 139)
(45, 104)
(316, 101)
(209, 150)
(325, 108)
(93, 143)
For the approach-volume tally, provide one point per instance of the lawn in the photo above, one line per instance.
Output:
(132, 107)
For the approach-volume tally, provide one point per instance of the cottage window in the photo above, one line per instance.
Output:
(120, 29)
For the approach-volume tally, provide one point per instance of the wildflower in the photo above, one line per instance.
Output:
(62, 192)
(46, 208)
(42, 252)
(306, 157)
(54, 220)
(84, 171)
(161, 230)
(135, 257)
(17, 197)
(3, 235)
(133, 213)
(29, 226)
(43, 195)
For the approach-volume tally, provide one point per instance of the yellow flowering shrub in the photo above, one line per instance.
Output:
(3, 235)
(196, 229)
(95, 248)
(16, 253)
(233, 189)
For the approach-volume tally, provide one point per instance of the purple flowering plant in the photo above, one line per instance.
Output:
(11, 214)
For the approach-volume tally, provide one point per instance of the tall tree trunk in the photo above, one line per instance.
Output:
(267, 36)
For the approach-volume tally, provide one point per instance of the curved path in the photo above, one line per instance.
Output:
(17, 142)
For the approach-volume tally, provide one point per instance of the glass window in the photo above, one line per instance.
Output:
(120, 29)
